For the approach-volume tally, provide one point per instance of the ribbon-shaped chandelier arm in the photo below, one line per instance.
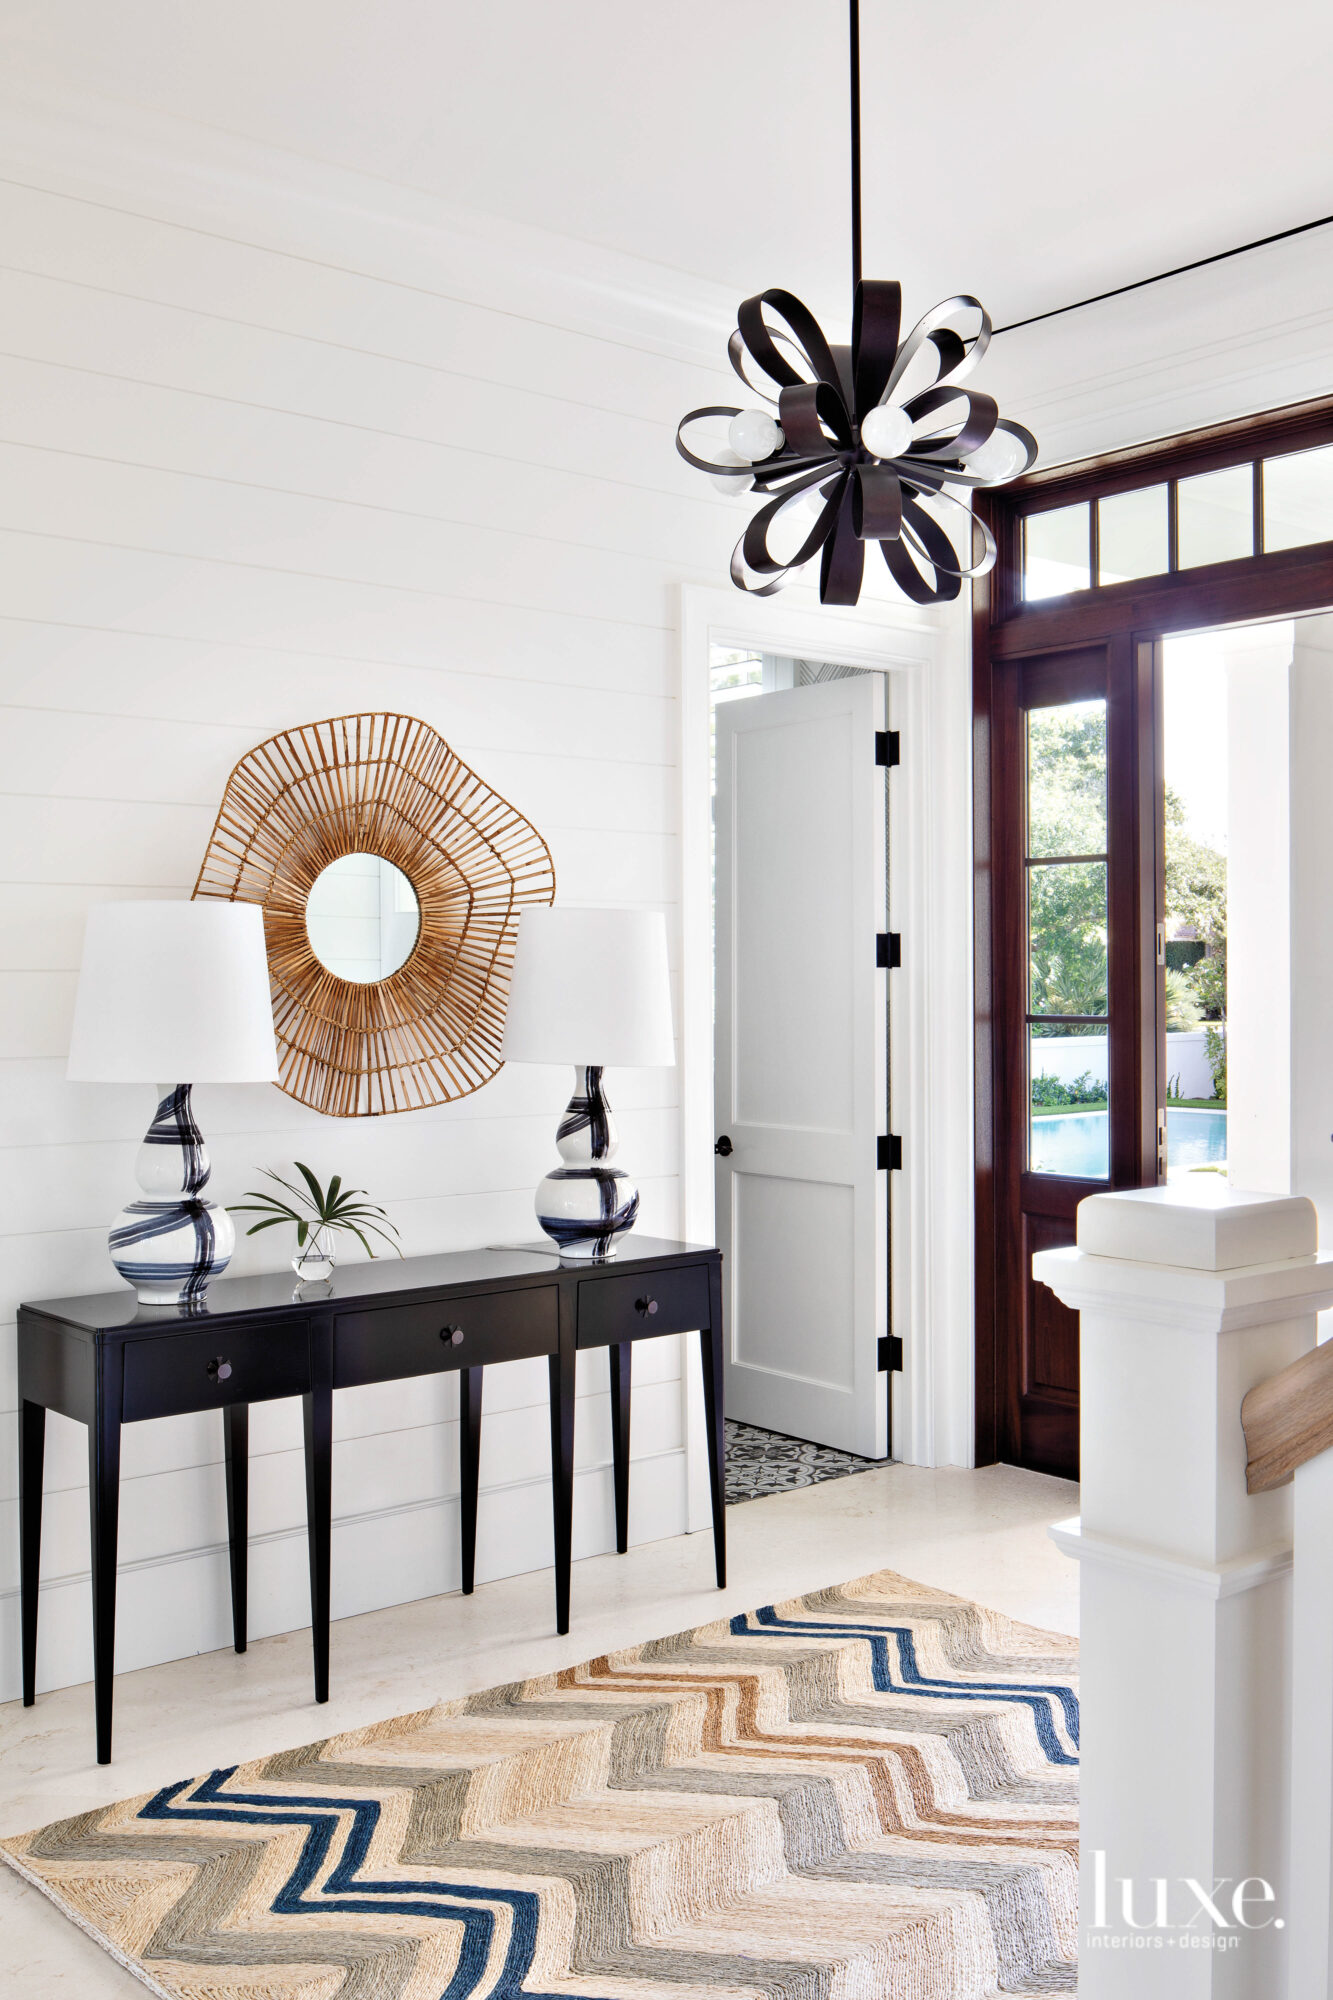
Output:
(762, 476)
(843, 562)
(956, 357)
(982, 415)
(943, 554)
(692, 417)
(752, 552)
(924, 538)
(808, 411)
(808, 338)
(914, 467)
(877, 503)
(877, 314)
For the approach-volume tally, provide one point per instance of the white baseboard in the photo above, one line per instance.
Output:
(172, 1606)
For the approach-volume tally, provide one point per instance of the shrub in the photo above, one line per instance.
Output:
(1183, 1008)
(1048, 1091)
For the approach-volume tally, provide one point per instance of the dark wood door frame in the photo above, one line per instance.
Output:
(1127, 619)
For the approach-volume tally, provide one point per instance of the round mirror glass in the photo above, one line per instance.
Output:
(362, 918)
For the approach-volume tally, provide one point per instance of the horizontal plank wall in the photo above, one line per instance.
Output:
(275, 448)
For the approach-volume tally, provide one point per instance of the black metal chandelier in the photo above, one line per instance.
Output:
(875, 442)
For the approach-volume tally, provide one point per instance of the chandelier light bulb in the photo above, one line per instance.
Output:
(886, 431)
(754, 435)
(732, 483)
(1001, 457)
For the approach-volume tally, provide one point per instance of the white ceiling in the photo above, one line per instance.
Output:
(1030, 151)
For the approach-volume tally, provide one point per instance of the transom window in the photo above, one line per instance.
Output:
(1251, 509)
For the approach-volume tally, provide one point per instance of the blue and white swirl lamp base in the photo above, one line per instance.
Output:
(173, 989)
(586, 1205)
(169, 1242)
(589, 983)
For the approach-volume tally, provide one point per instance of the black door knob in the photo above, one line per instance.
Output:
(219, 1370)
(723, 1146)
(453, 1334)
(645, 1306)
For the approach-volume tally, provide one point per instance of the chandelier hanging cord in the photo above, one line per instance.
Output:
(855, 27)
(867, 436)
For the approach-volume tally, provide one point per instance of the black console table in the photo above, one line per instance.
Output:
(108, 1361)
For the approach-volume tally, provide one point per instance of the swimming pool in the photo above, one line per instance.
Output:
(1077, 1142)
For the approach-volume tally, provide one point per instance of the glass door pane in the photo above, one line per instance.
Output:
(1065, 864)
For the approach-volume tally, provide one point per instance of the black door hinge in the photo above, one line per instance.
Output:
(890, 1352)
(886, 747)
(888, 950)
(890, 1152)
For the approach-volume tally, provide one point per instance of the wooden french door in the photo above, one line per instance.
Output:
(1074, 989)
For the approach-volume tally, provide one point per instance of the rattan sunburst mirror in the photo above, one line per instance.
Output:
(357, 1038)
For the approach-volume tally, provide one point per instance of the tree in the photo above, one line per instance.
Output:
(1067, 900)
(1196, 895)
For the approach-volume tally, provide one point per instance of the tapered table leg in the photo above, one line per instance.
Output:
(236, 1446)
(319, 1505)
(104, 1518)
(469, 1458)
(710, 1348)
(32, 1453)
(620, 1357)
(562, 1456)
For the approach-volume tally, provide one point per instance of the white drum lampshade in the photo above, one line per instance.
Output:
(589, 987)
(175, 994)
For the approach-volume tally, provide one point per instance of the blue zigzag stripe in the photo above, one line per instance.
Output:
(409, 1898)
(1035, 1695)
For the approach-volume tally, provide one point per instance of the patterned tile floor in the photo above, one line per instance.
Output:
(760, 1462)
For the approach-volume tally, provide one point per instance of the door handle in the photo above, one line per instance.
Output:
(645, 1306)
(219, 1370)
(723, 1147)
(453, 1334)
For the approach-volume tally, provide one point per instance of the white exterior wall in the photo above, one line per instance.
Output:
(1066, 1058)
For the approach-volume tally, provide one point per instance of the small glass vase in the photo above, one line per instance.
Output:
(316, 1260)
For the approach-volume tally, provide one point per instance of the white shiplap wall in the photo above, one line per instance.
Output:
(273, 448)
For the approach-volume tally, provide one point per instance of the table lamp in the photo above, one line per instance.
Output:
(171, 989)
(590, 987)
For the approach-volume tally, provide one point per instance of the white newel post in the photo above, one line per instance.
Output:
(1189, 1296)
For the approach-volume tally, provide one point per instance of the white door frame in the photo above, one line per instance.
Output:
(925, 655)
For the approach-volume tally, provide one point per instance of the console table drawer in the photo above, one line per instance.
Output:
(177, 1372)
(616, 1309)
(389, 1342)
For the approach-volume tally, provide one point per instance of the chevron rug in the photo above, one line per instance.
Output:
(864, 1794)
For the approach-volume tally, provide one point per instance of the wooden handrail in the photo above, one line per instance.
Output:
(1288, 1419)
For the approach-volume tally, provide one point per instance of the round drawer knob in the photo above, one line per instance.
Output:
(453, 1334)
(219, 1370)
(645, 1306)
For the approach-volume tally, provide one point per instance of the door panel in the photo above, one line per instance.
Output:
(1074, 1096)
(801, 1089)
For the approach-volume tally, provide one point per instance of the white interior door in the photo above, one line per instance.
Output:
(802, 1206)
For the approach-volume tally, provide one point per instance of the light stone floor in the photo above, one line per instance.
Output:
(978, 1534)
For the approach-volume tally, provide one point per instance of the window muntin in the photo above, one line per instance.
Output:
(1255, 507)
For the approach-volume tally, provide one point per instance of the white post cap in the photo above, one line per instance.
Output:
(1198, 1223)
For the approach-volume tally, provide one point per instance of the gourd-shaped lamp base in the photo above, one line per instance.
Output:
(169, 1243)
(586, 1205)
